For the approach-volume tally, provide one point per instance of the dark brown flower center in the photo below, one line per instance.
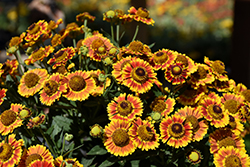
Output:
(136, 46)
(194, 121)
(145, 132)
(176, 130)
(120, 137)
(50, 87)
(218, 66)
(182, 59)
(228, 141)
(60, 56)
(6, 152)
(142, 12)
(215, 111)
(77, 83)
(124, 107)
(31, 79)
(160, 57)
(176, 70)
(246, 94)
(232, 122)
(97, 43)
(32, 158)
(37, 54)
(231, 105)
(140, 74)
(233, 161)
(159, 105)
(201, 73)
(95, 77)
(60, 70)
(8, 117)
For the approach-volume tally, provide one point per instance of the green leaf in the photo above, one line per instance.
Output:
(87, 162)
(106, 163)
(62, 122)
(55, 131)
(135, 163)
(97, 150)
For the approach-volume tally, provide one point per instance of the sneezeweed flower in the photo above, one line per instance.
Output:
(144, 135)
(235, 124)
(60, 69)
(96, 131)
(232, 102)
(80, 85)
(125, 106)
(194, 156)
(35, 31)
(141, 15)
(39, 54)
(162, 58)
(218, 68)
(56, 40)
(85, 16)
(175, 131)
(60, 162)
(25, 113)
(118, 67)
(214, 111)
(2, 95)
(223, 86)
(61, 57)
(176, 73)
(36, 121)
(38, 152)
(223, 138)
(10, 67)
(72, 30)
(118, 141)
(101, 86)
(138, 75)
(43, 163)
(187, 62)
(14, 44)
(98, 46)
(9, 119)
(11, 151)
(163, 105)
(136, 48)
(193, 115)
(230, 156)
(53, 87)
(32, 81)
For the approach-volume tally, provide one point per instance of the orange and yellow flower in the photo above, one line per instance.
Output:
(118, 141)
(118, 67)
(141, 15)
(61, 57)
(193, 115)
(144, 135)
(98, 46)
(36, 121)
(39, 54)
(125, 107)
(85, 16)
(175, 131)
(162, 58)
(11, 151)
(101, 86)
(163, 105)
(2, 95)
(235, 124)
(138, 75)
(32, 81)
(176, 73)
(80, 85)
(41, 163)
(60, 162)
(53, 87)
(9, 119)
(35, 31)
(230, 156)
(72, 30)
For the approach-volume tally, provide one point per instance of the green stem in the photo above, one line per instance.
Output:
(50, 147)
(72, 150)
(19, 59)
(63, 145)
(85, 26)
(74, 43)
(136, 32)
(117, 33)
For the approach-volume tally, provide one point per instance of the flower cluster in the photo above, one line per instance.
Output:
(125, 101)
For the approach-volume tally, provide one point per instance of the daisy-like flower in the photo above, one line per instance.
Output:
(202, 76)
(2, 95)
(136, 48)
(98, 46)
(235, 124)
(72, 30)
(60, 162)
(223, 86)
(100, 85)
(141, 15)
(118, 67)
(191, 96)
(230, 156)
(232, 102)
(10, 67)
(138, 75)
(125, 107)
(85, 16)
(80, 85)
(11, 151)
(118, 141)
(38, 152)
(223, 138)
(193, 115)
(61, 57)
(175, 131)
(116, 16)
(39, 163)
(187, 61)
(14, 44)
(176, 73)
(163, 105)
(194, 156)
(56, 40)
(36, 30)
(53, 87)
(218, 68)
(214, 111)
(36, 121)
(9, 119)
(144, 135)
(39, 54)
(162, 58)
(32, 81)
